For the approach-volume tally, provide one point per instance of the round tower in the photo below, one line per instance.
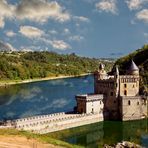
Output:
(133, 69)
(116, 79)
(101, 73)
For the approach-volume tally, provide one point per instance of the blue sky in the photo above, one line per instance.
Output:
(93, 28)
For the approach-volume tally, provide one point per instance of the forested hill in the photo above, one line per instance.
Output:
(29, 65)
(140, 57)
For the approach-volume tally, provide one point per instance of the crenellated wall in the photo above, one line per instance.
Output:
(54, 122)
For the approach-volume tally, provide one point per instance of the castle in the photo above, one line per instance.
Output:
(116, 97)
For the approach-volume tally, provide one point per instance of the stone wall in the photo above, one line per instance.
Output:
(71, 123)
(90, 103)
(133, 108)
(129, 85)
(54, 122)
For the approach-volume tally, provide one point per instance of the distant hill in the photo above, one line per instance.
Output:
(5, 47)
(29, 65)
(140, 57)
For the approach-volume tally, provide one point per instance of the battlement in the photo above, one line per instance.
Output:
(129, 78)
(53, 122)
(90, 97)
(40, 117)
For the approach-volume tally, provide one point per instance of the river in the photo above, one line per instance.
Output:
(45, 97)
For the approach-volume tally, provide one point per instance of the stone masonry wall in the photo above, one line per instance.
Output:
(55, 122)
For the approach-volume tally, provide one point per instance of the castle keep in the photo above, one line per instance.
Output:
(115, 96)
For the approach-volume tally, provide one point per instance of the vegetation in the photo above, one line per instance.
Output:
(30, 65)
(140, 57)
(41, 138)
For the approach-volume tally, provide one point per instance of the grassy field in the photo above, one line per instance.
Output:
(40, 138)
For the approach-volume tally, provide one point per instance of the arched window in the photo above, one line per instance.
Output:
(125, 92)
(129, 102)
(92, 110)
(111, 93)
(125, 85)
(137, 103)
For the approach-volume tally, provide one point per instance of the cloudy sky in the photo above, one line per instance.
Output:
(94, 28)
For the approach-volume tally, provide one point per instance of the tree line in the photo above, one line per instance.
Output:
(30, 65)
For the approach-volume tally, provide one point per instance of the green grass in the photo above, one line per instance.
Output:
(42, 138)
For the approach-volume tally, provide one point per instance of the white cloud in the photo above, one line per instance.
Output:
(31, 32)
(81, 18)
(2, 23)
(10, 33)
(76, 38)
(66, 31)
(10, 47)
(6, 12)
(146, 35)
(57, 44)
(60, 44)
(107, 6)
(135, 4)
(33, 10)
(6, 46)
(31, 48)
(52, 32)
(41, 11)
(142, 15)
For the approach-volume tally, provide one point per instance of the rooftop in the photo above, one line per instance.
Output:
(133, 66)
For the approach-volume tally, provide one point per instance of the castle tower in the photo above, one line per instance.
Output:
(129, 84)
(116, 78)
(133, 69)
(101, 73)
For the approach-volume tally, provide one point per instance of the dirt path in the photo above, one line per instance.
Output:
(22, 142)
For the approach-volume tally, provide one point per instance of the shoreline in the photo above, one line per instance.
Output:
(14, 82)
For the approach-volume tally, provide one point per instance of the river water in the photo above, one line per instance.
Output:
(42, 97)
(37, 98)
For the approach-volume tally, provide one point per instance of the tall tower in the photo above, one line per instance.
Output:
(131, 81)
(116, 78)
(133, 69)
(101, 73)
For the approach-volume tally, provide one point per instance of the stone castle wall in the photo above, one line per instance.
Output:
(133, 108)
(129, 85)
(54, 122)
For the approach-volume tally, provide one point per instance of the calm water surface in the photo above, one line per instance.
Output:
(52, 96)
(108, 132)
(43, 97)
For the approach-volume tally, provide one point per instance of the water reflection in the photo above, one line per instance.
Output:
(44, 97)
(108, 132)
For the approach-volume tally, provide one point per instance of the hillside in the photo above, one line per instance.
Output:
(31, 65)
(140, 57)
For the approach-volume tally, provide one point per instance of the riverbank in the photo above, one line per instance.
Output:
(23, 142)
(23, 139)
(14, 82)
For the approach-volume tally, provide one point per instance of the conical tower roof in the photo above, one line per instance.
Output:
(133, 66)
